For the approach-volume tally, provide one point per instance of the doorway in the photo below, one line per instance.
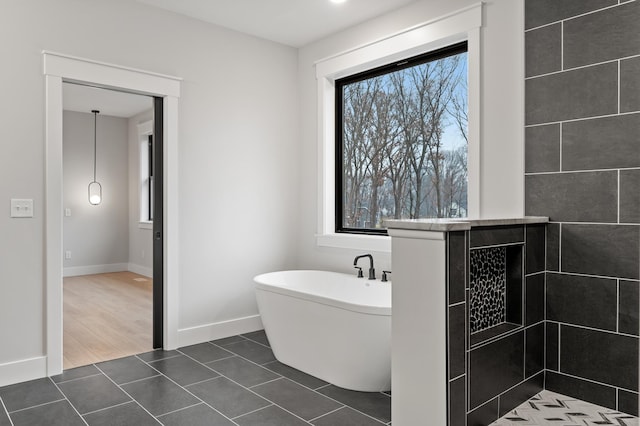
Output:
(108, 245)
(165, 90)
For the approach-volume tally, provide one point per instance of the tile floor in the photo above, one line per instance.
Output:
(549, 408)
(233, 381)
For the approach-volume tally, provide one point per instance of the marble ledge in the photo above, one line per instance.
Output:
(448, 225)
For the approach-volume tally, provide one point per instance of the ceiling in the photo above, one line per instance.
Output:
(80, 98)
(291, 22)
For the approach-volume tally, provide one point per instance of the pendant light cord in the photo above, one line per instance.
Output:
(95, 132)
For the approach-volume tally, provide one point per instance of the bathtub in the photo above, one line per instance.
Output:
(333, 326)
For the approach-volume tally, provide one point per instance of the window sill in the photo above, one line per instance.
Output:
(145, 225)
(378, 243)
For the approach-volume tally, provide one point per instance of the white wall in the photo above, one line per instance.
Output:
(238, 152)
(98, 235)
(140, 237)
(502, 111)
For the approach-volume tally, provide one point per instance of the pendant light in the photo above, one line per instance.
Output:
(95, 189)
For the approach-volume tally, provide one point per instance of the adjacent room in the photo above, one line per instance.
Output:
(213, 205)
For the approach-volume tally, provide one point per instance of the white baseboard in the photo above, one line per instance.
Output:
(218, 330)
(142, 270)
(75, 271)
(23, 370)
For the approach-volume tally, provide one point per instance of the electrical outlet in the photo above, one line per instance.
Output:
(67, 212)
(67, 254)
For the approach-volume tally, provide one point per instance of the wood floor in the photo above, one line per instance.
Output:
(106, 316)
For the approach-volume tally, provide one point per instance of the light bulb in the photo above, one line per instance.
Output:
(95, 193)
(95, 199)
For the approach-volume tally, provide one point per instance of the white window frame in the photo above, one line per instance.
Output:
(463, 25)
(144, 130)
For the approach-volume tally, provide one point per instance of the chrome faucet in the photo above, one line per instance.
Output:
(372, 271)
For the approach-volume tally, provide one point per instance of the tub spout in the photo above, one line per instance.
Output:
(372, 271)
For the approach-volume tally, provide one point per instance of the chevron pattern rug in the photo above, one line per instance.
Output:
(549, 408)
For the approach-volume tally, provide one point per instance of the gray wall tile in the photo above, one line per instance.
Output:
(456, 341)
(605, 250)
(553, 356)
(534, 353)
(573, 197)
(580, 300)
(535, 251)
(628, 402)
(521, 393)
(602, 36)
(629, 308)
(602, 143)
(540, 12)
(553, 246)
(534, 306)
(582, 389)
(630, 85)
(630, 196)
(580, 93)
(490, 235)
(607, 358)
(542, 149)
(544, 50)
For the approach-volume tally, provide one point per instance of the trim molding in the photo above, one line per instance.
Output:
(218, 330)
(23, 370)
(74, 271)
(141, 270)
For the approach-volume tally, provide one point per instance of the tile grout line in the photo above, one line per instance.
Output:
(4, 407)
(253, 411)
(595, 381)
(568, 18)
(139, 380)
(180, 409)
(107, 408)
(78, 378)
(326, 414)
(69, 402)
(127, 393)
(37, 405)
(573, 120)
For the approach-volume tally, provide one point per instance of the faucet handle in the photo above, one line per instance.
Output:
(360, 275)
(384, 276)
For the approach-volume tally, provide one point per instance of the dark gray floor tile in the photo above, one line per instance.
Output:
(296, 375)
(629, 307)
(544, 50)
(183, 370)
(602, 36)
(581, 389)
(374, 404)
(205, 352)
(607, 358)
(121, 415)
(601, 143)
(270, 416)
(630, 195)
(253, 351)
(346, 417)
(540, 12)
(4, 416)
(199, 415)
(573, 197)
(159, 395)
(604, 250)
(125, 370)
(570, 95)
(54, 414)
(93, 393)
(580, 300)
(258, 336)
(29, 394)
(296, 399)
(242, 371)
(227, 340)
(630, 85)
(156, 355)
(76, 373)
(229, 398)
(542, 149)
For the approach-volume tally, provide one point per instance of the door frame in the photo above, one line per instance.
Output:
(59, 68)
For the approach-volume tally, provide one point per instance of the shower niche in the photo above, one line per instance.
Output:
(495, 291)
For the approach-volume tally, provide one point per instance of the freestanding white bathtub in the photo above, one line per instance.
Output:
(333, 326)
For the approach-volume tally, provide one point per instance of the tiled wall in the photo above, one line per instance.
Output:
(489, 377)
(582, 164)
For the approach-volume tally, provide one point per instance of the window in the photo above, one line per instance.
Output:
(146, 187)
(456, 27)
(401, 141)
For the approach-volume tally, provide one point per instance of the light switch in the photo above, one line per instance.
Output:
(21, 207)
(67, 212)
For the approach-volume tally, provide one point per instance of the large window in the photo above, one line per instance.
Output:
(401, 141)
